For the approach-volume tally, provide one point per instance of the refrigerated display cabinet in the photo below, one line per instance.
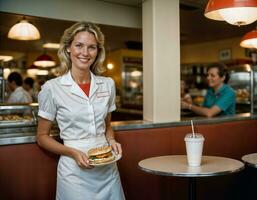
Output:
(20, 121)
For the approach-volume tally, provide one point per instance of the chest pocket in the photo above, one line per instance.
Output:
(101, 104)
(102, 97)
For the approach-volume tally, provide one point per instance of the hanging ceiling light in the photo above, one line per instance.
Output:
(42, 72)
(32, 71)
(24, 31)
(51, 45)
(6, 58)
(235, 12)
(44, 60)
(249, 40)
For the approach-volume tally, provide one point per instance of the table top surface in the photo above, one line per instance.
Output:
(176, 165)
(250, 159)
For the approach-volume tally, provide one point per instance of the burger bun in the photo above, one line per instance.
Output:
(101, 160)
(100, 155)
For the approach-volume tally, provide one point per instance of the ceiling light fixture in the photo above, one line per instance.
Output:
(42, 72)
(6, 58)
(235, 12)
(110, 66)
(24, 31)
(249, 40)
(44, 60)
(7, 72)
(32, 71)
(51, 45)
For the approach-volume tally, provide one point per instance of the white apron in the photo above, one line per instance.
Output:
(99, 183)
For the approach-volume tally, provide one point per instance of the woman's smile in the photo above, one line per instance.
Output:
(83, 50)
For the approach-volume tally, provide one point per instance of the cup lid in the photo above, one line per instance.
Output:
(198, 137)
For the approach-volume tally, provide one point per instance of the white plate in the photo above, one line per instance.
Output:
(117, 157)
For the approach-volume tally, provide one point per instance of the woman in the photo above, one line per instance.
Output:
(184, 95)
(220, 98)
(81, 102)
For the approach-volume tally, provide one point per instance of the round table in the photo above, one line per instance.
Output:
(176, 165)
(250, 159)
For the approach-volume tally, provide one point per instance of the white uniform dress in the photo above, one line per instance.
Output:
(81, 121)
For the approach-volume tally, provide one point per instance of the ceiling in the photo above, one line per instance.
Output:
(51, 30)
(194, 28)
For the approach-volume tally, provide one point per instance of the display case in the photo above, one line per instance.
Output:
(240, 81)
(2, 84)
(19, 121)
(132, 83)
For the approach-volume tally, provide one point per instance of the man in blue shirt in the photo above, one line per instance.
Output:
(220, 98)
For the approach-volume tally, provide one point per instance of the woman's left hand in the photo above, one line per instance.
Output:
(115, 146)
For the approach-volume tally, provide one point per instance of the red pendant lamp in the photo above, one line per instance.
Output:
(249, 40)
(44, 60)
(235, 12)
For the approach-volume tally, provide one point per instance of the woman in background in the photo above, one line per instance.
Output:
(81, 101)
(184, 94)
(220, 98)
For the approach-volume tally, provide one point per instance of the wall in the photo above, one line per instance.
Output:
(77, 10)
(208, 52)
(195, 53)
(116, 58)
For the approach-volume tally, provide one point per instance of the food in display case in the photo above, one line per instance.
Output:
(18, 114)
(242, 96)
(21, 121)
(132, 85)
(14, 118)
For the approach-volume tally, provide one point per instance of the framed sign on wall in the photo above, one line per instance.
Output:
(224, 54)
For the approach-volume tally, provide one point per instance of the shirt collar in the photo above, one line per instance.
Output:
(19, 88)
(220, 90)
(67, 80)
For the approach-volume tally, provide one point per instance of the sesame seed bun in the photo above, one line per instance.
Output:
(99, 150)
(100, 155)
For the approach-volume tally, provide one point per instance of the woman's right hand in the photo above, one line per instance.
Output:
(81, 159)
(184, 105)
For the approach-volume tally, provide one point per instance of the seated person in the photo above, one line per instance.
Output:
(18, 95)
(184, 94)
(220, 98)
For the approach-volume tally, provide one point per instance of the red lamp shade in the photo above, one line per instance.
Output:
(44, 61)
(249, 40)
(235, 12)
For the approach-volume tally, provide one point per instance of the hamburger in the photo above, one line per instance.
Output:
(100, 155)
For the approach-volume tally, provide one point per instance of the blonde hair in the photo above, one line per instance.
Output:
(67, 38)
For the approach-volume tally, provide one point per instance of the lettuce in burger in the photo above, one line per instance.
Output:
(100, 155)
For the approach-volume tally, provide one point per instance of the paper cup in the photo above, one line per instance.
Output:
(194, 149)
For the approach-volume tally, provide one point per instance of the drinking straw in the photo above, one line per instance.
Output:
(193, 131)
